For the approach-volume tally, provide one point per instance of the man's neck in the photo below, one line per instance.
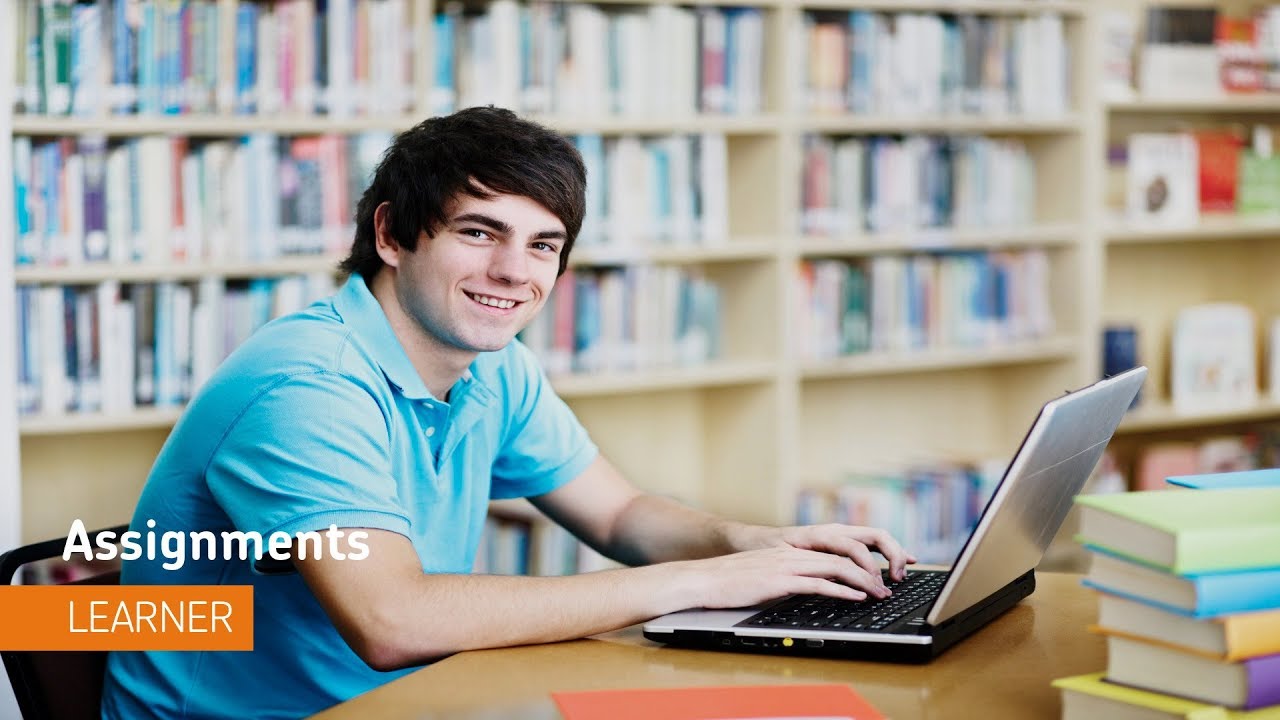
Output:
(438, 366)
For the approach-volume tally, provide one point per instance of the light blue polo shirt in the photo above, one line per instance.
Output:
(319, 419)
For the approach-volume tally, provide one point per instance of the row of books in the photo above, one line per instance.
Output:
(1188, 588)
(164, 57)
(639, 317)
(165, 199)
(1190, 51)
(113, 347)
(935, 64)
(671, 189)
(1171, 178)
(579, 59)
(169, 199)
(930, 509)
(918, 181)
(533, 547)
(929, 301)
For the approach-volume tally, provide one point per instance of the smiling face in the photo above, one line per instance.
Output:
(482, 278)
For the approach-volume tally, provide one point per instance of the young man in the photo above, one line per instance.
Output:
(398, 408)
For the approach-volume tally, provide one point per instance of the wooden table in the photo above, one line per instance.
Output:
(1003, 671)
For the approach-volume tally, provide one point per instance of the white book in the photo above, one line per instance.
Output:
(340, 64)
(88, 385)
(585, 89)
(72, 235)
(193, 222)
(631, 58)
(713, 170)
(683, 188)
(206, 330)
(747, 62)
(1213, 358)
(1163, 185)
(267, 62)
(503, 81)
(627, 203)
(156, 186)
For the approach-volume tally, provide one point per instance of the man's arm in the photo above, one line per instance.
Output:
(393, 615)
(635, 528)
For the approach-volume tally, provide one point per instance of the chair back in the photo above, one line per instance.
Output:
(62, 685)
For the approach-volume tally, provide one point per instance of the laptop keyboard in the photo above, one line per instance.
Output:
(828, 613)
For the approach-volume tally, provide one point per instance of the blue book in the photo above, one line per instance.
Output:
(1197, 595)
(1219, 481)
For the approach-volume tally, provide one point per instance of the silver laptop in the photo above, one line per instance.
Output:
(932, 610)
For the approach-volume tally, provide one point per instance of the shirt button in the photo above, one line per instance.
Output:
(431, 431)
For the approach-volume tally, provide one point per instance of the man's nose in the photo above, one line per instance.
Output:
(510, 264)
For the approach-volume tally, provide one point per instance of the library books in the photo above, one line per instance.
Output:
(165, 58)
(1201, 595)
(893, 303)
(929, 64)
(1179, 56)
(889, 184)
(1187, 532)
(1248, 684)
(1229, 637)
(1087, 697)
(579, 59)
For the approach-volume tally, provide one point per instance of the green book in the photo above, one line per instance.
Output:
(1184, 531)
(1258, 192)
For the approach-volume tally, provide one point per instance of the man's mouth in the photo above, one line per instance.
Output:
(493, 302)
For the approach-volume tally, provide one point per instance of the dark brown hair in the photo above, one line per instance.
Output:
(479, 151)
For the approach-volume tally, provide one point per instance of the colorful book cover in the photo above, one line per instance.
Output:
(1187, 532)
(706, 703)
(1269, 477)
(1207, 594)
(1094, 684)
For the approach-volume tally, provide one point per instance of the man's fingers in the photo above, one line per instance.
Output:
(820, 586)
(892, 551)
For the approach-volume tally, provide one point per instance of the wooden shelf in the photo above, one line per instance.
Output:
(1155, 416)
(1210, 228)
(235, 125)
(1255, 103)
(96, 273)
(984, 7)
(717, 374)
(933, 239)
(571, 386)
(734, 251)
(140, 419)
(872, 364)
(958, 124)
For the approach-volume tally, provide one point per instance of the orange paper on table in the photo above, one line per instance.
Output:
(718, 703)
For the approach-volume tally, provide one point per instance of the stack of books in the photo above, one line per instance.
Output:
(1189, 604)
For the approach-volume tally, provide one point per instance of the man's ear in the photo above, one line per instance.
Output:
(388, 248)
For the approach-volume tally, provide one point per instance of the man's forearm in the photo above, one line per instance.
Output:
(655, 529)
(444, 614)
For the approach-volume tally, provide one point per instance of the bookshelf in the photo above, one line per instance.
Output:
(10, 485)
(742, 434)
(1150, 273)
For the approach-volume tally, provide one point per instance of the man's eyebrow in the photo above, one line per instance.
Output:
(505, 228)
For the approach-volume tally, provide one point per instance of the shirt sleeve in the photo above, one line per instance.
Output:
(311, 452)
(545, 446)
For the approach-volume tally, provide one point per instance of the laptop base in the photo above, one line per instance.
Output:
(944, 636)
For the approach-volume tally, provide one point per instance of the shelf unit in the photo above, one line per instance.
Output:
(739, 436)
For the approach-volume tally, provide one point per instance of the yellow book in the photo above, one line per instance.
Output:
(1087, 697)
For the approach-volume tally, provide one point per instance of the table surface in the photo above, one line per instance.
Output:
(1002, 671)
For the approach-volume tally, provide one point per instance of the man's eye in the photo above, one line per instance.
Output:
(477, 233)
(545, 247)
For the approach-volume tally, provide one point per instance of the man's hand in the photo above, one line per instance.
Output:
(754, 576)
(851, 541)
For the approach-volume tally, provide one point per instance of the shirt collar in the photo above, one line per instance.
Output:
(361, 312)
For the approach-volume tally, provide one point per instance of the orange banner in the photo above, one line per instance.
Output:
(126, 617)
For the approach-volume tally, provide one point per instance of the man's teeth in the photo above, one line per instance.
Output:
(493, 301)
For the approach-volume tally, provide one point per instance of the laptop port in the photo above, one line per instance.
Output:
(814, 643)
